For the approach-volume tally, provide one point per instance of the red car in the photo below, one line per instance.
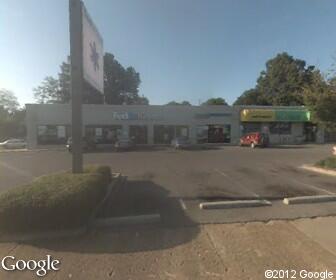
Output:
(255, 139)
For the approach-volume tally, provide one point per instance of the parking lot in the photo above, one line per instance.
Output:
(174, 182)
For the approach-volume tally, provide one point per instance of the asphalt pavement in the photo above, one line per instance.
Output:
(169, 181)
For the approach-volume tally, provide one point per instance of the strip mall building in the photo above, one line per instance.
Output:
(49, 124)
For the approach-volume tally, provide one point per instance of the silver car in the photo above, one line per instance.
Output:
(124, 143)
(181, 143)
(14, 144)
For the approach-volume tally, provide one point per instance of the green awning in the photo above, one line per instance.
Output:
(292, 116)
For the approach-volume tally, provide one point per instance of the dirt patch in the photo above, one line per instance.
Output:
(288, 168)
(214, 193)
(282, 191)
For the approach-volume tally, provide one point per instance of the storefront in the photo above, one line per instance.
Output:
(107, 134)
(159, 125)
(52, 134)
(284, 125)
(164, 134)
(214, 133)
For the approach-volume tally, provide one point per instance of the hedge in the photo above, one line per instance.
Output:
(56, 201)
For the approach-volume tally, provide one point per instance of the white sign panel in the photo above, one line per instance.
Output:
(93, 53)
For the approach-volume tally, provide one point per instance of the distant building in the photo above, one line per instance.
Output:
(49, 124)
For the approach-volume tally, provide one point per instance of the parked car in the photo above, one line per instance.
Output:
(14, 144)
(255, 139)
(180, 143)
(87, 145)
(124, 143)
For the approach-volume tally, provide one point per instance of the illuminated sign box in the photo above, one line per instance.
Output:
(257, 115)
(260, 115)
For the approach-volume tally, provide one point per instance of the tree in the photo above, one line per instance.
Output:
(11, 116)
(251, 97)
(8, 101)
(215, 101)
(320, 98)
(281, 84)
(48, 91)
(184, 103)
(64, 82)
(121, 86)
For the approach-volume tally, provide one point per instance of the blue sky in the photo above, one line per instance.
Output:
(184, 49)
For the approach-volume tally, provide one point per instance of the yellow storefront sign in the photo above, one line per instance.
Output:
(257, 115)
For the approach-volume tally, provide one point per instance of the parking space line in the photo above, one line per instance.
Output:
(239, 185)
(184, 207)
(312, 186)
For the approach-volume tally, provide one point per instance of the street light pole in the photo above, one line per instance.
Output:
(76, 57)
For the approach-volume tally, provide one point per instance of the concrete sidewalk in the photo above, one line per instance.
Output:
(320, 230)
(230, 251)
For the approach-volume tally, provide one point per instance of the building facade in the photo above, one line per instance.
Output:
(50, 124)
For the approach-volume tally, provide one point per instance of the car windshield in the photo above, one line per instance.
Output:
(168, 139)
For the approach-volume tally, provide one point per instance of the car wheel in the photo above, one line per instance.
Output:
(253, 145)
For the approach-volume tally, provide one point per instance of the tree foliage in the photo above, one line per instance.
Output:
(48, 91)
(8, 101)
(281, 84)
(121, 86)
(320, 98)
(11, 116)
(184, 103)
(215, 101)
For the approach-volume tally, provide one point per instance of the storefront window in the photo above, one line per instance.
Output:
(103, 134)
(182, 131)
(138, 133)
(281, 128)
(202, 134)
(251, 127)
(164, 134)
(219, 133)
(52, 134)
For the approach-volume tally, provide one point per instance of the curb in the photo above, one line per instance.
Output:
(234, 204)
(309, 199)
(126, 220)
(117, 179)
(318, 170)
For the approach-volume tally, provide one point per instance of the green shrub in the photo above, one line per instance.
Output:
(56, 201)
(329, 163)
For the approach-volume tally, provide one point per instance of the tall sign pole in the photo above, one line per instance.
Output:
(76, 56)
(87, 65)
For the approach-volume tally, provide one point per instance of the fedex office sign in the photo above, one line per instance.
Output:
(128, 116)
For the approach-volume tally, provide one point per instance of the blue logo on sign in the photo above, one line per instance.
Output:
(94, 56)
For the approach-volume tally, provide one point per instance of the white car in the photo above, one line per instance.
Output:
(14, 144)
